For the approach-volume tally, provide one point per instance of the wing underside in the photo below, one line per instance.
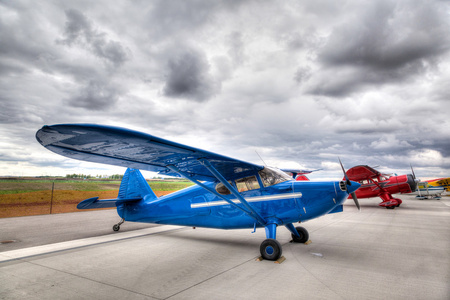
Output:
(132, 149)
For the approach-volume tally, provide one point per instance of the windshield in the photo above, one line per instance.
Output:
(270, 176)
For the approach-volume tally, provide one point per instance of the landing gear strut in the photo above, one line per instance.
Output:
(116, 227)
(389, 202)
(270, 248)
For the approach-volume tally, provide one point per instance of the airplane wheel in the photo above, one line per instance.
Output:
(390, 207)
(270, 249)
(116, 227)
(303, 235)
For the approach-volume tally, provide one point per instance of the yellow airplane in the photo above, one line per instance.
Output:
(444, 182)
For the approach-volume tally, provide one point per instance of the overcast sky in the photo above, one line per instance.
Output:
(300, 82)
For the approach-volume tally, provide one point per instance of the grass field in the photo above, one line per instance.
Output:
(26, 197)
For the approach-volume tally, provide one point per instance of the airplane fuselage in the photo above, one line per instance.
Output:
(425, 190)
(393, 185)
(284, 203)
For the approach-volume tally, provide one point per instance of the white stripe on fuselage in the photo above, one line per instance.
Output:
(249, 199)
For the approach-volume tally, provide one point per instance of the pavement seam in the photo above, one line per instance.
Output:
(90, 279)
(9, 256)
(212, 277)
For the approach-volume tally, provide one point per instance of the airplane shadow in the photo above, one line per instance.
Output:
(217, 239)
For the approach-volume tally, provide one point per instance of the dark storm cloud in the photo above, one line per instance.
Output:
(392, 42)
(10, 113)
(302, 74)
(188, 77)
(96, 95)
(79, 30)
(23, 45)
(178, 18)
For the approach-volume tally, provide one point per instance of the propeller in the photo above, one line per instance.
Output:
(415, 180)
(349, 183)
(414, 175)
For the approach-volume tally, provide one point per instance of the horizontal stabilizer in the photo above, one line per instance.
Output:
(105, 203)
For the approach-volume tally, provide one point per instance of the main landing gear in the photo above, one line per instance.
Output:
(271, 249)
(116, 227)
(389, 202)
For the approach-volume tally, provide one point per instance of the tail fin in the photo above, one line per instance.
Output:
(133, 188)
(134, 185)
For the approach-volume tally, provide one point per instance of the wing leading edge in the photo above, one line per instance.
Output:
(137, 150)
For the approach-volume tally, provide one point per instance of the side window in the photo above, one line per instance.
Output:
(247, 184)
(221, 189)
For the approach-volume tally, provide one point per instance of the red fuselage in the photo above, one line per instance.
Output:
(372, 187)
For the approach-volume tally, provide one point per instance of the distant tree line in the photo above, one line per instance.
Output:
(83, 176)
(78, 176)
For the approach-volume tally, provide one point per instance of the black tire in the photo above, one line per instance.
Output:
(116, 227)
(270, 249)
(303, 235)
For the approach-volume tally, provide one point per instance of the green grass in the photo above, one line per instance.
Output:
(169, 185)
(15, 186)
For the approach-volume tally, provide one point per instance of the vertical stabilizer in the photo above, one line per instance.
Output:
(134, 185)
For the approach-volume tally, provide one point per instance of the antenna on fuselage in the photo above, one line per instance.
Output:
(261, 158)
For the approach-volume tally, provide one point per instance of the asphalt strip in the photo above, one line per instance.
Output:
(69, 245)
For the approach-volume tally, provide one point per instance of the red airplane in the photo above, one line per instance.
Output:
(374, 184)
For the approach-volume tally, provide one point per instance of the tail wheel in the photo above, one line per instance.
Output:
(116, 227)
(270, 249)
(303, 235)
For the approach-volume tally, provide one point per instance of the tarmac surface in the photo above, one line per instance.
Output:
(373, 254)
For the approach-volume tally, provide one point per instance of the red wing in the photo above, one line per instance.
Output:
(359, 173)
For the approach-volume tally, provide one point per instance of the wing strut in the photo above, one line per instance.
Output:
(212, 191)
(252, 213)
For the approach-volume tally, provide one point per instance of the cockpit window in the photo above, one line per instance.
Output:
(247, 184)
(271, 176)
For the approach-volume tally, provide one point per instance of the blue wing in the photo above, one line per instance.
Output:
(137, 150)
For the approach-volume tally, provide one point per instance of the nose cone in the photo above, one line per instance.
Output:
(412, 182)
(353, 187)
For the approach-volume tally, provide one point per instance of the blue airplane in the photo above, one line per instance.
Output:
(228, 194)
